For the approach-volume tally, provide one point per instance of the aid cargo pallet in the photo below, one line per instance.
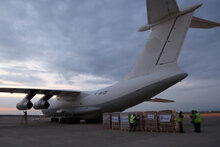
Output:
(167, 121)
(149, 121)
(106, 121)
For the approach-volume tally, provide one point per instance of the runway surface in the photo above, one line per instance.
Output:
(39, 132)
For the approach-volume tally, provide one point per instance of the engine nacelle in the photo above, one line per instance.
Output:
(41, 104)
(24, 104)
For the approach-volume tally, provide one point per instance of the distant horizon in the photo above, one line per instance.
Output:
(14, 111)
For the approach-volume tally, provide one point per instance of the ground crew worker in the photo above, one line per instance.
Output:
(197, 121)
(180, 121)
(193, 118)
(132, 122)
(25, 116)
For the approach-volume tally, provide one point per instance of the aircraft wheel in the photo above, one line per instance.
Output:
(56, 119)
(52, 119)
(62, 120)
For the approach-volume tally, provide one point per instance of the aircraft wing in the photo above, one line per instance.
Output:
(43, 102)
(39, 91)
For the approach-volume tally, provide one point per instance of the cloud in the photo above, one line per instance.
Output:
(53, 43)
(74, 37)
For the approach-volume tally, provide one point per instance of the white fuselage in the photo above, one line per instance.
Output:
(118, 97)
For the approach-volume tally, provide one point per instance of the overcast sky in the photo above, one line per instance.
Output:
(87, 45)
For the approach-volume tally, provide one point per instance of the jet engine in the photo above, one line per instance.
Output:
(41, 104)
(24, 104)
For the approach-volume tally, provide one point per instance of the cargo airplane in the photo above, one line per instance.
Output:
(155, 70)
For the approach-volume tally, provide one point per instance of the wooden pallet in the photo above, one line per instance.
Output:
(151, 130)
(115, 128)
(168, 131)
(124, 129)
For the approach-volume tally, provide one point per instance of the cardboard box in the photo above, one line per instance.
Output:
(115, 120)
(106, 121)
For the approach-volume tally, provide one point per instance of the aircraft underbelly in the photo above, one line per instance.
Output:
(140, 95)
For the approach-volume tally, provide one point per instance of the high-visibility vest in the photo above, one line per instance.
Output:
(179, 119)
(132, 119)
(197, 118)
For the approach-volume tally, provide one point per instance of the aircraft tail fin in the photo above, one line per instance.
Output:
(168, 27)
(160, 9)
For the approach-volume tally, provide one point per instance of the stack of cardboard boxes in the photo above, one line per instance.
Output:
(167, 121)
(115, 120)
(106, 121)
(124, 121)
(139, 121)
(152, 121)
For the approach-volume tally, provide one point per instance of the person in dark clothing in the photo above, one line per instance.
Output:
(193, 118)
(25, 116)
(180, 121)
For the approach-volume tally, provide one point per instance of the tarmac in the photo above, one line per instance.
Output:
(41, 132)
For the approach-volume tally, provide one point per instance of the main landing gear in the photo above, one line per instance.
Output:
(65, 120)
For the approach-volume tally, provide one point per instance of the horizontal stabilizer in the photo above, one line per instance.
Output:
(160, 100)
(152, 24)
(202, 23)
